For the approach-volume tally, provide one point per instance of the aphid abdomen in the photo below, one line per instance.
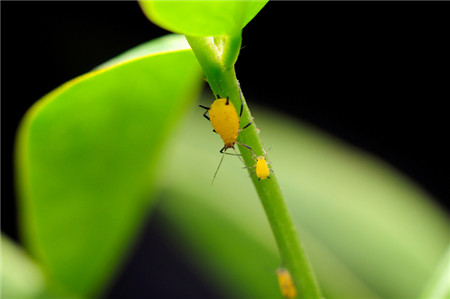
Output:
(225, 121)
(262, 170)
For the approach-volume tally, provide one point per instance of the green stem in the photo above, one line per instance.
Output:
(222, 79)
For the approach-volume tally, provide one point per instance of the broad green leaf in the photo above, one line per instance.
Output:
(370, 232)
(202, 18)
(169, 42)
(87, 155)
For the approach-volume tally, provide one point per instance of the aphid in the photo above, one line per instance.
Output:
(262, 170)
(261, 167)
(226, 123)
(286, 283)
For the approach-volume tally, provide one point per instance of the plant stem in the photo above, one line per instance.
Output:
(222, 80)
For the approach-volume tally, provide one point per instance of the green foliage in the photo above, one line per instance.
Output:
(87, 157)
(438, 285)
(202, 18)
(217, 23)
(94, 154)
(357, 216)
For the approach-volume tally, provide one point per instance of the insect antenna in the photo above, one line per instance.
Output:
(220, 163)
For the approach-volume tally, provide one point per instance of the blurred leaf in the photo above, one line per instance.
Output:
(438, 286)
(20, 276)
(202, 18)
(231, 259)
(370, 232)
(86, 157)
(169, 42)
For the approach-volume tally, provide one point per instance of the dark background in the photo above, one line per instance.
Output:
(373, 74)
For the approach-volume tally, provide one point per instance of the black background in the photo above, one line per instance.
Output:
(373, 74)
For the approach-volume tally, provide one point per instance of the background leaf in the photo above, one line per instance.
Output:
(86, 159)
(169, 42)
(358, 216)
(438, 285)
(410, 136)
(202, 18)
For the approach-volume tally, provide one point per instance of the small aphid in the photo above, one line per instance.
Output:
(226, 123)
(286, 283)
(261, 167)
(262, 170)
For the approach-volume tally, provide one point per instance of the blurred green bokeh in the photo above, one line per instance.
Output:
(86, 160)
(99, 150)
(370, 232)
(20, 276)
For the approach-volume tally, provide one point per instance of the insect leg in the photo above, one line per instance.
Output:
(239, 156)
(245, 145)
(204, 114)
(224, 151)
(231, 154)
(246, 126)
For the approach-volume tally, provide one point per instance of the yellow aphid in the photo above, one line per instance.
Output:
(262, 170)
(226, 123)
(261, 167)
(286, 283)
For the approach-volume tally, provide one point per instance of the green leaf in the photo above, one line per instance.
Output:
(202, 18)
(370, 232)
(166, 43)
(438, 285)
(87, 155)
(220, 21)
